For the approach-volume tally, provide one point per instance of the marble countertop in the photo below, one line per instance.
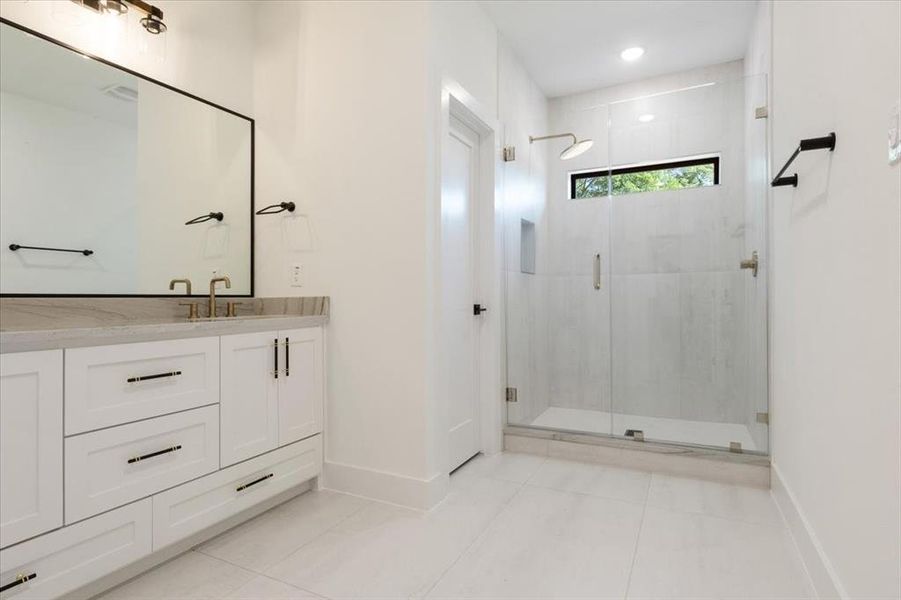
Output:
(76, 337)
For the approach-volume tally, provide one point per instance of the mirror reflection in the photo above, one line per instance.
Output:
(113, 184)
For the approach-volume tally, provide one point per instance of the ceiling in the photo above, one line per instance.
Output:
(574, 46)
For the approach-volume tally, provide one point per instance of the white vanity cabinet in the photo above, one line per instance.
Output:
(110, 454)
(31, 444)
(271, 390)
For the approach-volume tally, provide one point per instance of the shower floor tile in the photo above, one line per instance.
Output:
(705, 433)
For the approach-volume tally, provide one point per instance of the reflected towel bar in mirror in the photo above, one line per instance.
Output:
(204, 218)
(274, 209)
(15, 247)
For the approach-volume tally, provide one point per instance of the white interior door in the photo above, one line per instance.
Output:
(459, 277)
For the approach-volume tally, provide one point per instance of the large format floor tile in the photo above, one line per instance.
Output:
(598, 480)
(511, 526)
(548, 543)
(683, 555)
(391, 552)
(716, 499)
(191, 576)
(262, 542)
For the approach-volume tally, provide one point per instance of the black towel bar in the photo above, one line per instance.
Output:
(15, 247)
(204, 218)
(820, 143)
(280, 207)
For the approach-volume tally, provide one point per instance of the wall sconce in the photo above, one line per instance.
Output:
(152, 21)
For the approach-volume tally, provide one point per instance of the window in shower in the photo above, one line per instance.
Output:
(670, 175)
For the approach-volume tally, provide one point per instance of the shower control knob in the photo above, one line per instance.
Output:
(478, 309)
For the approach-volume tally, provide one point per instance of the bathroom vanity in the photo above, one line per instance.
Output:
(118, 442)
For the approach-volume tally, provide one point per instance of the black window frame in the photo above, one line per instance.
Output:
(660, 166)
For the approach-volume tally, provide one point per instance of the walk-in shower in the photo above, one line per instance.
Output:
(632, 305)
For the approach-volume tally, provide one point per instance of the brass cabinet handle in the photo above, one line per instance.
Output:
(152, 454)
(275, 355)
(149, 377)
(19, 580)
(241, 488)
(287, 357)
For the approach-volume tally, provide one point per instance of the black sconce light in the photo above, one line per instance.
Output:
(152, 21)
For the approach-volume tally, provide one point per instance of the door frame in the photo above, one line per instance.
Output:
(456, 101)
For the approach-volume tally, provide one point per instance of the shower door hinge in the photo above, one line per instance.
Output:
(735, 447)
(761, 112)
(511, 394)
(509, 153)
(763, 418)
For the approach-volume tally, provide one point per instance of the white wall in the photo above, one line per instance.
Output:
(836, 328)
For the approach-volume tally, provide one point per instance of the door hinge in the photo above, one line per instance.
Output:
(509, 153)
(511, 394)
(761, 112)
(764, 418)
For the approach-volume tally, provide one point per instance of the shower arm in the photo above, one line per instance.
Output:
(552, 137)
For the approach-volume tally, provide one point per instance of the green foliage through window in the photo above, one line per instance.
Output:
(675, 175)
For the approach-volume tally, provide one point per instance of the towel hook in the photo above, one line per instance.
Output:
(280, 207)
(204, 218)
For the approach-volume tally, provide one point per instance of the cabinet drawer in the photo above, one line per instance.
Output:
(112, 385)
(189, 508)
(114, 466)
(68, 558)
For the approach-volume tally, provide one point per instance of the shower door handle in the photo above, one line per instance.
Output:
(597, 271)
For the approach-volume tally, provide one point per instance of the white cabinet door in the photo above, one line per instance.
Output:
(62, 561)
(112, 385)
(31, 444)
(248, 397)
(300, 389)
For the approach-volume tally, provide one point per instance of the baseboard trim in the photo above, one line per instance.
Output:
(822, 575)
(411, 492)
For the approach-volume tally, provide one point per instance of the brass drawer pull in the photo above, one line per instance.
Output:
(152, 454)
(149, 377)
(19, 580)
(241, 488)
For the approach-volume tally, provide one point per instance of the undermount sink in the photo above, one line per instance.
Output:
(238, 318)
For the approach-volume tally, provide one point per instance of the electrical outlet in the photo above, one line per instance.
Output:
(295, 275)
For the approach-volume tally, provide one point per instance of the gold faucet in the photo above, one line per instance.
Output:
(213, 281)
(187, 283)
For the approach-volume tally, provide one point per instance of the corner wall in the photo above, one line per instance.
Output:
(836, 327)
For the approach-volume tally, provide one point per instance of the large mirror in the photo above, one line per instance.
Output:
(113, 184)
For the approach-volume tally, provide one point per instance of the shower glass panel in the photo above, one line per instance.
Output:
(688, 321)
(558, 318)
(638, 315)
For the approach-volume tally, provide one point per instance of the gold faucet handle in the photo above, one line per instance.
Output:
(232, 308)
(192, 309)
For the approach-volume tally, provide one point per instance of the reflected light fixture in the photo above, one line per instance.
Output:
(646, 118)
(152, 21)
(630, 54)
(571, 151)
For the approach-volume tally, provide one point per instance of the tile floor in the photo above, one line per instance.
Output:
(706, 433)
(512, 526)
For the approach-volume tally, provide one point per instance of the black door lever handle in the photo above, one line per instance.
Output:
(478, 309)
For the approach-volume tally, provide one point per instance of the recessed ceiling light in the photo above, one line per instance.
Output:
(646, 118)
(630, 54)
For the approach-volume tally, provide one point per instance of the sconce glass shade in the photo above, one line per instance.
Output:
(153, 24)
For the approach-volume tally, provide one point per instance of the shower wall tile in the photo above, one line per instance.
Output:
(527, 344)
(645, 233)
(646, 344)
(584, 225)
(579, 343)
(711, 229)
(712, 351)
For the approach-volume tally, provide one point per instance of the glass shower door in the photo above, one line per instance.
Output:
(688, 280)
